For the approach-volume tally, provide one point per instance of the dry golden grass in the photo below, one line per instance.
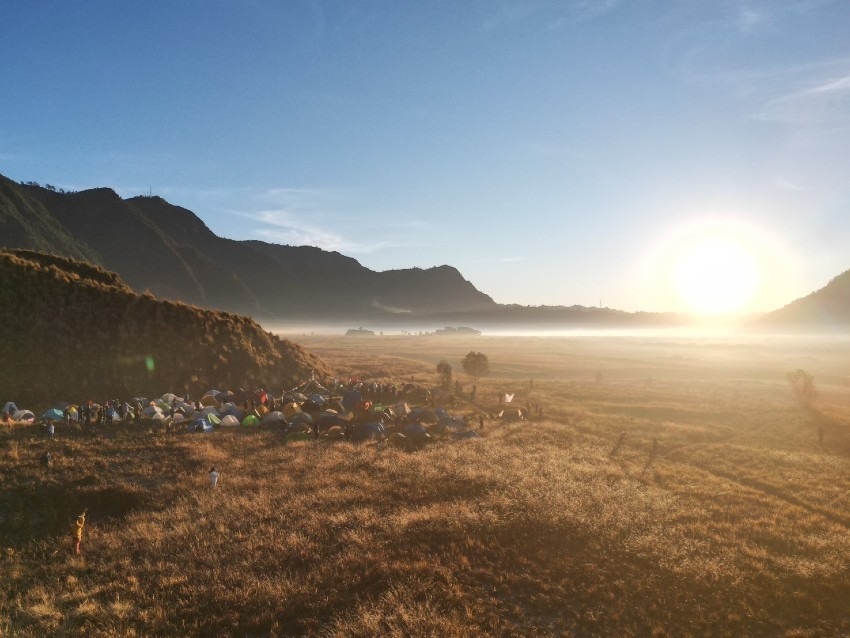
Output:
(737, 525)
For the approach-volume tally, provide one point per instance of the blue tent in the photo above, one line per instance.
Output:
(53, 414)
(199, 425)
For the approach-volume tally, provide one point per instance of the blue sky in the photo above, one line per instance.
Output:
(554, 152)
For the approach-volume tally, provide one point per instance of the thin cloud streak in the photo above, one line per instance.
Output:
(287, 228)
(827, 101)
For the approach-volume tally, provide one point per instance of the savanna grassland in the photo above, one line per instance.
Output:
(671, 488)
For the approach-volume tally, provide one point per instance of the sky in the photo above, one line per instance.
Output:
(643, 154)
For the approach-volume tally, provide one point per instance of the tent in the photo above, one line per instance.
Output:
(328, 420)
(318, 399)
(168, 397)
(199, 425)
(10, 408)
(368, 432)
(311, 406)
(151, 411)
(335, 433)
(350, 399)
(301, 417)
(401, 409)
(274, 417)
(209, 400)
(212, 418)
(52, 415)
(447, 424)
(229, 421)
(423, 415)
(262, 410)
(178, 418)
(290, 409)
(210, 410)
(23, 415)
(251, 419)
(231, 408)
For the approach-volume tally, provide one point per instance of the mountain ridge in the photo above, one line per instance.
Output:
(169, 251)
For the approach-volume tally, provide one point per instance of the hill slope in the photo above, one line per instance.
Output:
(77, 331)
(168, 250)
(826, 307)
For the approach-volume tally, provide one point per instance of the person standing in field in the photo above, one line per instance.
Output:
(77, 531)
(51, 429)
(214, 477)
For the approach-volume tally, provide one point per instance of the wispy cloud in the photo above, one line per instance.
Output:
(512, 259)
(825, 100)
(288, 228)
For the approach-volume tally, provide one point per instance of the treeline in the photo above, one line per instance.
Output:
(49, 187)
(74, 331)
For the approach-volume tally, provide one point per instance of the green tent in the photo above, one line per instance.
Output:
(251, 419)
(212, 418)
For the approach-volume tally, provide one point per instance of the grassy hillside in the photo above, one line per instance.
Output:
(826, 309)
(73, 331)
(733, 523)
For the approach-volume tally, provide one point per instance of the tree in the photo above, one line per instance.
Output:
(476, 364)
(803, 387)
(445, 372)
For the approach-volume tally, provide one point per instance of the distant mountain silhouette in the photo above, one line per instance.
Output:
(169, 251)
(824, 308)
(73, 331)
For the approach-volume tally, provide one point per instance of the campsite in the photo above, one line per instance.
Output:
(672, 487)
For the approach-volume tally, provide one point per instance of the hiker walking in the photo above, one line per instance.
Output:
(77, 531)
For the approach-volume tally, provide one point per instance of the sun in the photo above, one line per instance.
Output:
(716, 275)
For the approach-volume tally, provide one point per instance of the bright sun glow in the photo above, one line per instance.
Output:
(716, 275)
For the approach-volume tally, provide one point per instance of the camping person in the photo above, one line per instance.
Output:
(214, 477)
(77, 531)
(46, 459)
(51, 429)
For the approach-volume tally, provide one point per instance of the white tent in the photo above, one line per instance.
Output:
(151, 411)
(23, 415)
(230, 421)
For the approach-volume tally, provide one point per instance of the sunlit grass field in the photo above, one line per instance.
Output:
(671, 488)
